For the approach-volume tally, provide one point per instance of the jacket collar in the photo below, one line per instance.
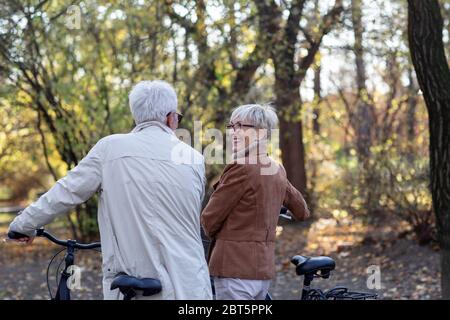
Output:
(254, 150)
(146, 124)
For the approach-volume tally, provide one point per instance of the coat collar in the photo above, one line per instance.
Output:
(255, 150)
(146, 124)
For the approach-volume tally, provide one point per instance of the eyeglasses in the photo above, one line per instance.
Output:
(179, 116)
(238, 126)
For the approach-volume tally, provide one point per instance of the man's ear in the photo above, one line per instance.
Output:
(170, 121)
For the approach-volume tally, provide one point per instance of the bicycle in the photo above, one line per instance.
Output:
(320, 267)
(128, 285)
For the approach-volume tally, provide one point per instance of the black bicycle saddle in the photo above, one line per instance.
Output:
(305, 265)
(128, 285)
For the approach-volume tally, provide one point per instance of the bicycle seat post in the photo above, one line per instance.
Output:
(306, 285)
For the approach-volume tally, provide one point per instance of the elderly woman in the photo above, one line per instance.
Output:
(242, 213)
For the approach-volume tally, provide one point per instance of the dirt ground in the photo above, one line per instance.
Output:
(408, 271)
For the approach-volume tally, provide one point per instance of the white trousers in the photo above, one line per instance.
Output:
(240, 289)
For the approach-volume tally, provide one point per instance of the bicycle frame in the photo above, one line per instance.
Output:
(63, 291)
(337, 293)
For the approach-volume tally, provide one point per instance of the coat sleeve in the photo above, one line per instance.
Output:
(76, 187)
(225, 197)
(294, 201)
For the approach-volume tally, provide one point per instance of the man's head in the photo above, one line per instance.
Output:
(154, 101)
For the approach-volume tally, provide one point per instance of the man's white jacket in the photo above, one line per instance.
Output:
(151, 187)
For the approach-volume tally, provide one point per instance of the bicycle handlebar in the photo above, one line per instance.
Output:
(64, 243)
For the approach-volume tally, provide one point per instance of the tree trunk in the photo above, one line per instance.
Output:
(364, 119)
(316, 136)
(411, 115)
(289, 74)
(293, 156)
(288, 102)
(427, 52)
(317, 100)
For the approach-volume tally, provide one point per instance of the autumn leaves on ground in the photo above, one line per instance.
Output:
(408, 270)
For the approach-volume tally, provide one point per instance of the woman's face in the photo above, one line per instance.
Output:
(243, 134)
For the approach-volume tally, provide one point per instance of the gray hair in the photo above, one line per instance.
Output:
(152, 100)
(261, 116)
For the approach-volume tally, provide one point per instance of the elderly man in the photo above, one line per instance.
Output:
(150, 201)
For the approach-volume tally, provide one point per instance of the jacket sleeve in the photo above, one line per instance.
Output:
(225, 197)
(76, 187)
(294, 201)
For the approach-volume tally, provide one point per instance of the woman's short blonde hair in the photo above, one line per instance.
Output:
(261, 116)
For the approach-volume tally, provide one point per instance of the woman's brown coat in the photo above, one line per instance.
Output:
(241, 219)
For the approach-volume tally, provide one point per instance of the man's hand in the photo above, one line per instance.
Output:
(26, 240)
(19, 237)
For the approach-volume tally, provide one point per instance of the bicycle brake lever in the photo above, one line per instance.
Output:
(285, 216)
